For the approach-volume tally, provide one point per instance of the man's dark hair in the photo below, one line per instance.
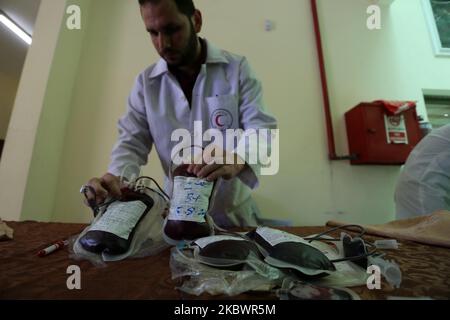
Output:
(186, 7)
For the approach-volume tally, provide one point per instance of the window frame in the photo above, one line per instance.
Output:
(439, 50)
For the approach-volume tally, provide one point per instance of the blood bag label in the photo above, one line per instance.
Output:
(190, 200)
(203, 242)
(120, 218)
(274, 236)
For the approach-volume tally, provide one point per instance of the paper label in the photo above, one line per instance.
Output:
(396, 129)
(203, 242)
(190, 200)
(120, 218)
(274, 236)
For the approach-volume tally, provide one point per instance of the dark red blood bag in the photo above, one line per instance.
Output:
(225, 251)
(284, 250)
(189, 206)
(113, 232)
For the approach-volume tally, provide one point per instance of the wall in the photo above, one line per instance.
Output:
(13, 53)
(115, 50)
(395, 62)
(9, 86)
(50, 140)
(25, 119)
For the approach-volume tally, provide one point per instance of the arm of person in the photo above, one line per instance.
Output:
(434, 190)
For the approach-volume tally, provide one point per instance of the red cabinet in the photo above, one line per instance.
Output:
(376, 137)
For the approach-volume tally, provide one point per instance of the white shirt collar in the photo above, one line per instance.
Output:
(213, 55)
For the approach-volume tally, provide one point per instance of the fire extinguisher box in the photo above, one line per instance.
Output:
(377, 137)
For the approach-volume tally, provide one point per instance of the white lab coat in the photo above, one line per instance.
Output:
(157, 106)
(423, 186)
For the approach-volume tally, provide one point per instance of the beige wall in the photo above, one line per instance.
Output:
(115, 51)
(8, 86)
(45, 174)
(25, 119)
(395, 62)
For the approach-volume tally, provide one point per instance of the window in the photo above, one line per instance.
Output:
(438, 110)
(437, 13)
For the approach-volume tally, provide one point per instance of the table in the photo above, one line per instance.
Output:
(23, 275)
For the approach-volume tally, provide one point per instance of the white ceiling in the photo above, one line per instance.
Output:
(13, 50)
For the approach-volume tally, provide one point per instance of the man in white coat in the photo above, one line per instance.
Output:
(193, 83)
(424, 183)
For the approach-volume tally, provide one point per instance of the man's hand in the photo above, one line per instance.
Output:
(108, 185)
(217, 163)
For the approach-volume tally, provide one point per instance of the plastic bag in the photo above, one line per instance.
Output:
(389, 269)
(199, 278)
(297, 290)
(147, 238)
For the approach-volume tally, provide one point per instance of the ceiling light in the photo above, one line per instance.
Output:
(14, 28)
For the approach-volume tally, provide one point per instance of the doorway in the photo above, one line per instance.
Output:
(17, 19)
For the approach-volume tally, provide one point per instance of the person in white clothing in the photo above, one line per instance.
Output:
(423, 186)
(193, 82)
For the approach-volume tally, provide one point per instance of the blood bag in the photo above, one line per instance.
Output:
(290, 252)
(130, 226)
(113, 232)
(190, 202)
(225, 251)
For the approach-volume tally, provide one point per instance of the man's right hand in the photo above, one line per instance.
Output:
(106, 186)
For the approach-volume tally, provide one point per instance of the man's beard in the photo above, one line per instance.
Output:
(189, 53)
